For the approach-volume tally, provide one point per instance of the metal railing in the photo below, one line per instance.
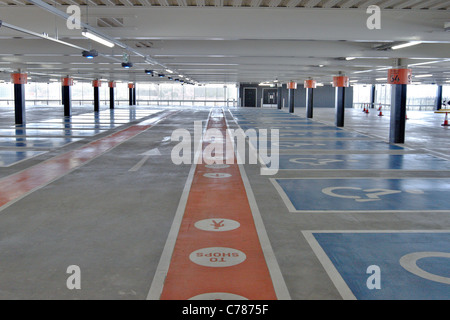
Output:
(124, 102)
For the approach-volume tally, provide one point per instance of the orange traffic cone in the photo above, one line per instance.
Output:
(381, 113)
(445, 124)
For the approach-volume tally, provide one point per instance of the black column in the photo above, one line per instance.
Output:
(309, 102)
(439, 98)
(134, 96)
(280, 98)
(398, 113)
(19, 103)
(67, 100)
(111, 97)
(96, 99)
(373, 96)
(340, 106)
(291, 100)
(130, 96)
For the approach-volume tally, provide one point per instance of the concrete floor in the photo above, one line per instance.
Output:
(114, 223)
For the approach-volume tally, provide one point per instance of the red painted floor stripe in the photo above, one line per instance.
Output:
(18, 185)
(202, 260)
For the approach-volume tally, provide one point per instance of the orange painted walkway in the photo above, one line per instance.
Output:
(218, 249)
(17, 185)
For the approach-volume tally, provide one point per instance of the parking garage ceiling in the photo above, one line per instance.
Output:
(227, 41)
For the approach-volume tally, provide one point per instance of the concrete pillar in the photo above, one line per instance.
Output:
(373, 96)
(291, 87)
(310, 85)
(340, 83)
(399, 79)
(67, 84)
(112, 86)
(280, 97)
(439, 97)
(19, 80)
(130, 93)
(96, 84)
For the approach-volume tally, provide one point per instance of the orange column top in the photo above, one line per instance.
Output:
(291, 85)
(310, 84)
(67, 82)
(399, 76)
(131, 86)
(96, 83)
(341, 81)
(19, 78)
(111, 84)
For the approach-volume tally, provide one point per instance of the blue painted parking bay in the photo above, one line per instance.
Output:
(285, 128)
(360, 195)
(413, 265)
(307, 134)
(9, 157)
(49, 132)
(363, 162)
(328, 145)
(27, 142)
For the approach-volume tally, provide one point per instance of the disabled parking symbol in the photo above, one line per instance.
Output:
(369, 194)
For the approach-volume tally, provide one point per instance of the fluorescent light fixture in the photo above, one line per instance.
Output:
(381, 79)
(169, 71)
(363, 71)
(350, 58)
(448, 81)
(88, 34)
(405, 45)
(424, 76)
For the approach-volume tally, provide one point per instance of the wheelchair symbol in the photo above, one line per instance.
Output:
(370, 194)
(317, 162)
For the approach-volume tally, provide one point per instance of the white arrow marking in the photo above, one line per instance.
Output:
(147, 155)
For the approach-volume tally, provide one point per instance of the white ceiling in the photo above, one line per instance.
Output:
(218, 41)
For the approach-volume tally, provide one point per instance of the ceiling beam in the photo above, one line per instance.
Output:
(330, 3)
(312, 3)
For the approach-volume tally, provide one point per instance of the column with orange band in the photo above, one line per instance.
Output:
(291, 90)
(19, 80)
(66, 91)
(309, 85)
(112, 86)
(341, 83)
(96, 84)
(399, 78)
(130, 93)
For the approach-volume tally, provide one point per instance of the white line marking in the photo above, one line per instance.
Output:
(332, 272)
(279, 284)
(157, 285)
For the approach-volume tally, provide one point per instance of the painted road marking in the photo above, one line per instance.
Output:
(218, 296)
(178, 277)
(364, 162)
(147, 155)
(217, 166)
(18, 185)
(414, 264)
(331, 145)
(217, 257)
(217, 224)
(364, 195)
(218, 175)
